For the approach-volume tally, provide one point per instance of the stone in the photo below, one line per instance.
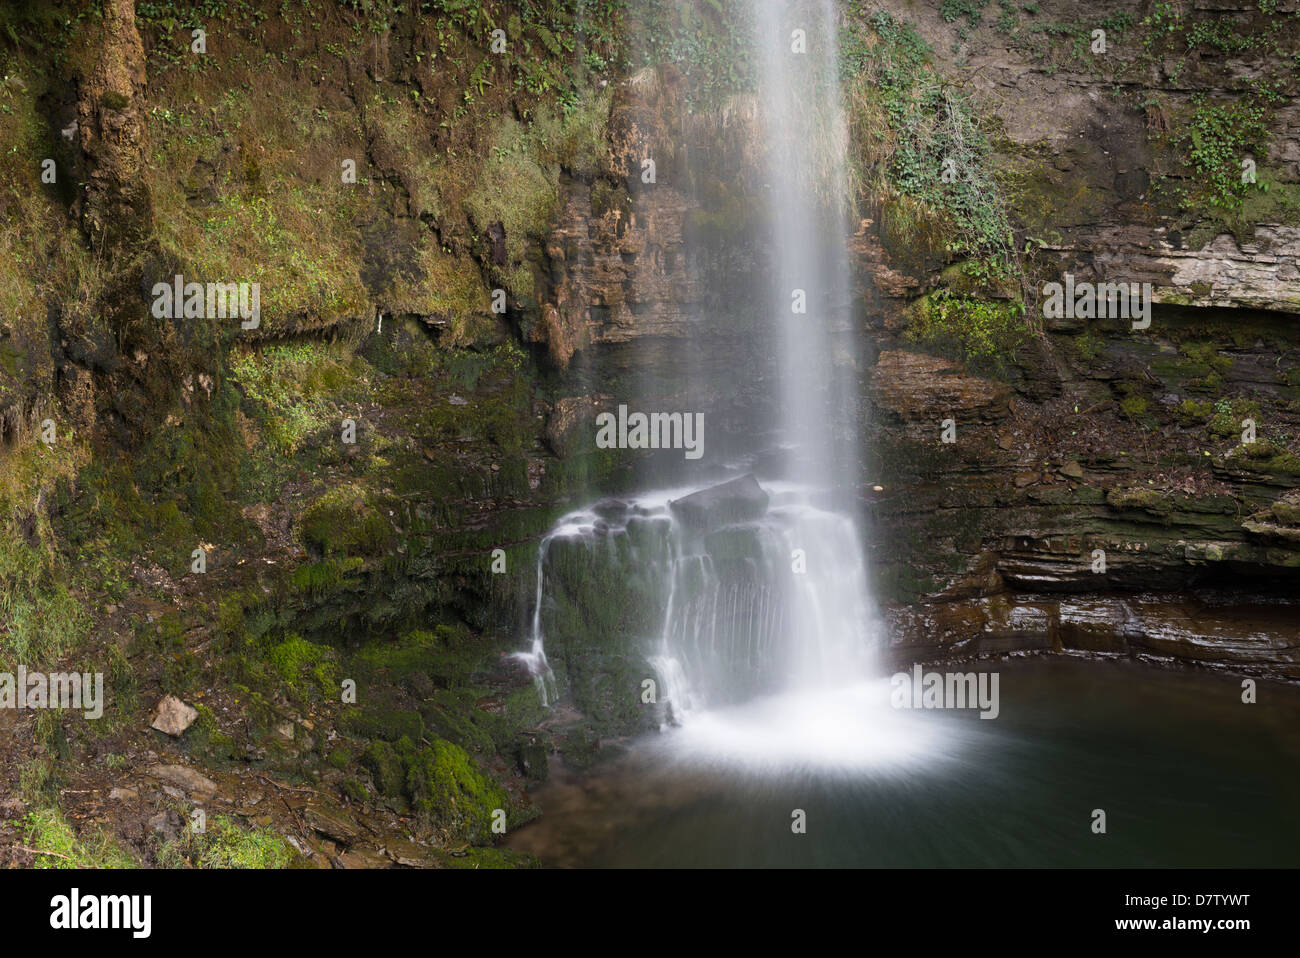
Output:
(332, 823)
(918, 388)
(739, 500)
(409, 854)
(363, 858)
(189, 779)
(1072, 470)
(610, 508)
(172, 716)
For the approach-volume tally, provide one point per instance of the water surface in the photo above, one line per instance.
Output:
(1186, 773)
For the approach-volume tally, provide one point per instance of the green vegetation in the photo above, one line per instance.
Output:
(48, 833)
(287, 386)
(984, 333)
(711, 41)
(226, 844)
(920, 140)
(1167, 29)
(40, 618)
(1216, 139)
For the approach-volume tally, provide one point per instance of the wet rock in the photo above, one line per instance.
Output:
(927, 389)
(739, 500)
(332, 823)
(189, 779)
(533, 762)
(363, 858)
(610, 508)
(172, 716)
(409, 854)
(1072, 470)
(570, 427)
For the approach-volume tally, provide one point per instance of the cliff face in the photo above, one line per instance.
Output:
(1109, 463)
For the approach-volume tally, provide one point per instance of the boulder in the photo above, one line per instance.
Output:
(739, 500)
(197, 784)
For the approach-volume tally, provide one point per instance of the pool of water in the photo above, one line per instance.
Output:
(1186, 774)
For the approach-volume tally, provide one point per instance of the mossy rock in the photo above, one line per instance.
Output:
(344, 522)
(447, 788)
(386, 768)
(1153, 501)
(388, 724)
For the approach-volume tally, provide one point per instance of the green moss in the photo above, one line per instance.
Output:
(294, 655)
(1228, 416)
(448, 789)
(388, 724)
(1088, 346)
(477, 858)
(317, 578)
(1134, 407)
(354, 790)
(1265, 457)
(1193, 413)
(344, 521)
(1154, 501)
(225, 844)
(449, 656)
(518, 191)
(1287, 513)
(984, 333)
(386, 768)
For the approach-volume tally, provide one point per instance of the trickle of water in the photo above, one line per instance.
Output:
(535, 658)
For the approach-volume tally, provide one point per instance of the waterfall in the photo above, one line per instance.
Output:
(810, 303)
(751, 589)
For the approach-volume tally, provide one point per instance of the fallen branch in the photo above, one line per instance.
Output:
(37, 851)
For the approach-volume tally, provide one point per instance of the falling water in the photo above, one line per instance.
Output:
(807, 138)
(761, 595)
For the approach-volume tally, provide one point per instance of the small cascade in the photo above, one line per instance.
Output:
(733, 592)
